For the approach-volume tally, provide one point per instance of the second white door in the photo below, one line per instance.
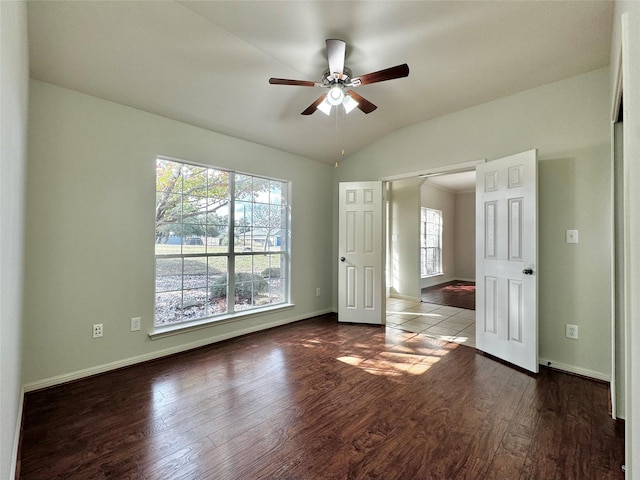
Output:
(507, 259)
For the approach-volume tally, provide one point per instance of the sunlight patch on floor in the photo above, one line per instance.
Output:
(392, 364)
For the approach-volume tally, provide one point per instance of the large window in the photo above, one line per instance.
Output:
(222, 242)
(430, 242)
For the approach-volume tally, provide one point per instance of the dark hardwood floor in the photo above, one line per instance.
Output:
(322, 400)
(457, 293)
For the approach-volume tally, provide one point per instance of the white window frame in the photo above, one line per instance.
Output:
(431, 226)
(232, 254)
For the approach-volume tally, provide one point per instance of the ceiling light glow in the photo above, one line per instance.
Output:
(335, 95)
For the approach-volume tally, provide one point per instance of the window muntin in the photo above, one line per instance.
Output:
(430, 242)
(210, 222)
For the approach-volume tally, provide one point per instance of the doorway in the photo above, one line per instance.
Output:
(506, 241)
(448, 246)
(419, 298)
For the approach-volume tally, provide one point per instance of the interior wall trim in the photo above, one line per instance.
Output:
(584, 372)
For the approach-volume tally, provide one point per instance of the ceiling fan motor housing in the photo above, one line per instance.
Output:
(329, 78)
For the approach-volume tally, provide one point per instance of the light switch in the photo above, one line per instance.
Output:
(572, 236)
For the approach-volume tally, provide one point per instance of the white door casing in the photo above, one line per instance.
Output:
(360, 253)
(507, 259)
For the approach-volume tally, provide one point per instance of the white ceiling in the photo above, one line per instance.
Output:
(208, 63)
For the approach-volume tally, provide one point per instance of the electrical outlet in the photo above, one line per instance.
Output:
(135, 324)
(318, 292)
(571, 331)
(97, 330)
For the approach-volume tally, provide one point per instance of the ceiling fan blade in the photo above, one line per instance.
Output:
(363, 104)
(285, 81)
(398, 71)
(314, 106)
(336, 50)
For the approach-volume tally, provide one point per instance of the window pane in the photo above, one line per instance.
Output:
(218, 183)
(244, 286)
(195, 181)
(244, 264)
(275, 277)
(194, 303)
(275, 193)
(165, 202)
(194, 209)
(244, 213)
(275, 216)
(168, 176)
(168, 274)
(261, 190)
(195, 272)
(213, 241)
(244, 187)
(168, 307)
(218, 280)
(169, 240)
(244, 239)
(217, 306)
(250, 292)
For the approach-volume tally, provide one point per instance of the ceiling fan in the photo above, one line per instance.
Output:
(338, 80)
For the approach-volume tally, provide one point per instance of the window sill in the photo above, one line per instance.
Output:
(177, 329)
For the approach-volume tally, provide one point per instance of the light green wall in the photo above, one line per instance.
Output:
(405, 239)
(465, 260)
(90, 230)
(574, 282)
(14, 89)
(568, 123)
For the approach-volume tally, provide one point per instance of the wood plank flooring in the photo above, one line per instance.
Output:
(322, 400)
(457, 293)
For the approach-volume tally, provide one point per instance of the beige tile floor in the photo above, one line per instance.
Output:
(451, 324)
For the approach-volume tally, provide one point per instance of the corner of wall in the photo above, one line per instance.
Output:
(14, 91)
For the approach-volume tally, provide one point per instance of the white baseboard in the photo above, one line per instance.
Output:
(430, 282)
(465, 279)
(576, 370)
(126, 362)
(405, 297)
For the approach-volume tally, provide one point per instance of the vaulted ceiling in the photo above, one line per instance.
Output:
(208, 63)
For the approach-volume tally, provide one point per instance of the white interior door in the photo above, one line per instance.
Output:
(360, 253)
(507, 259)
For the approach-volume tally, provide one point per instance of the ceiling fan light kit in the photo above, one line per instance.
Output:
(337, 78)
(335, 95)
(324, 107)
(349, 103)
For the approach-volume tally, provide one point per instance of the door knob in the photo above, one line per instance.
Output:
(342, 259)
(528, 271)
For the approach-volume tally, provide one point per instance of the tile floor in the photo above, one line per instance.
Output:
(446, 323)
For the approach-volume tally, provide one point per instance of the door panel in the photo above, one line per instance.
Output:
(506, 259)
(361, 253)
